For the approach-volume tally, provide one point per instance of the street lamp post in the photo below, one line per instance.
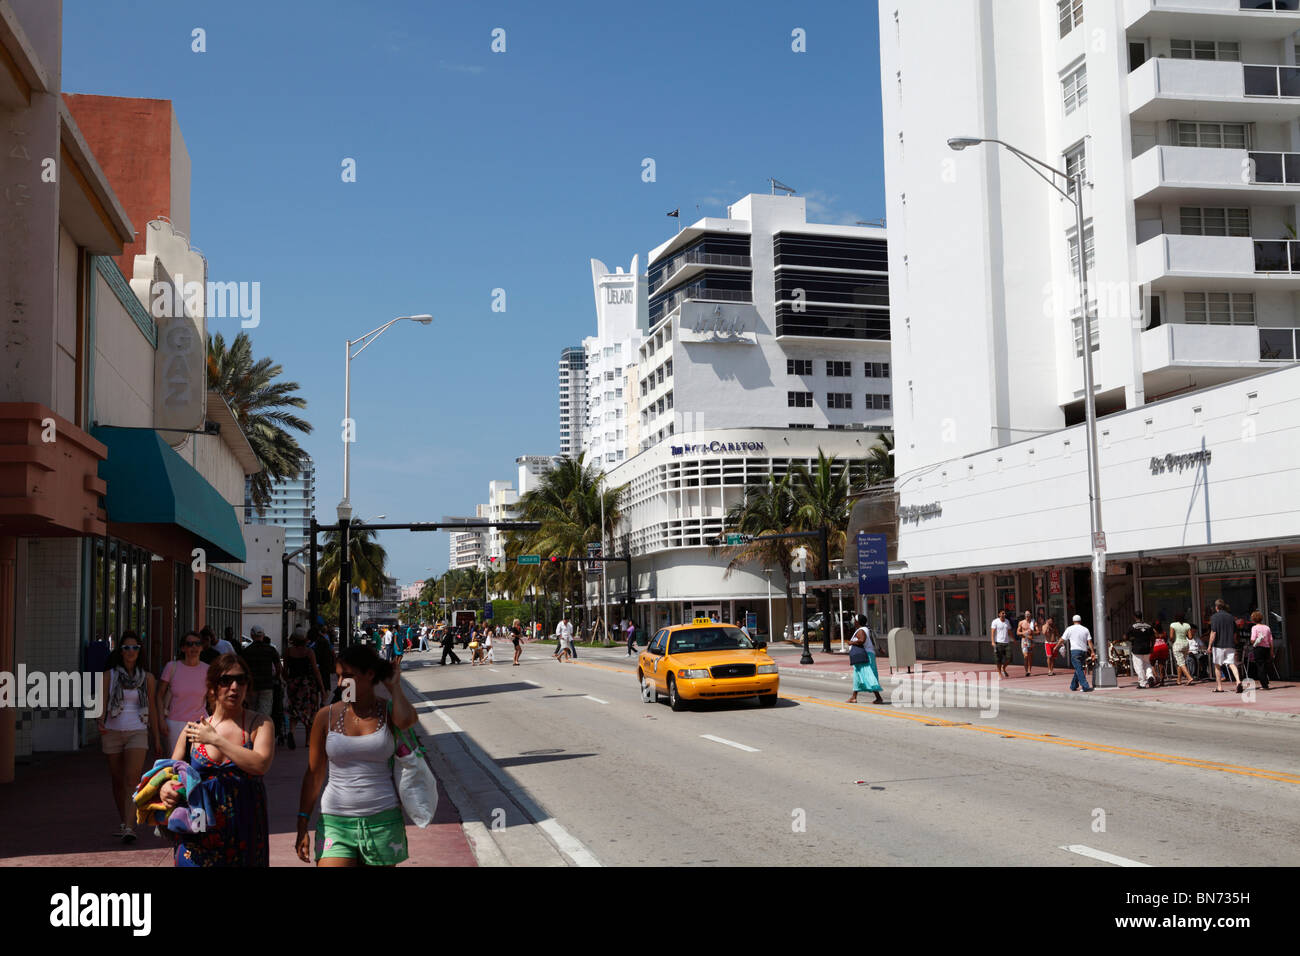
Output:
(770, 634)
(1105, 674)
(349, 435)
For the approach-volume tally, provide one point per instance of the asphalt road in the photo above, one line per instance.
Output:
(564, 763)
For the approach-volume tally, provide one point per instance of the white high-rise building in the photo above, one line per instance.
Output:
(769, 342)
(621, 321)
(292, 504)
(573, 400)
(532, 468)
(502, 498)
(1184, 117)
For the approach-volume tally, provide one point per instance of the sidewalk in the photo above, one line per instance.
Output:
(1282, 702)
(59, 812)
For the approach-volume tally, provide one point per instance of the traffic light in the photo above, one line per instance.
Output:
(555, 559)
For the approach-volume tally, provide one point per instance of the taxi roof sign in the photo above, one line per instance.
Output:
(703, 620)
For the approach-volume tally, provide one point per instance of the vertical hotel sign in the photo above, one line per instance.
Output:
(180, 375)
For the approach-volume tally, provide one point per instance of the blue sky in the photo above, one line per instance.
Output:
(475, 171)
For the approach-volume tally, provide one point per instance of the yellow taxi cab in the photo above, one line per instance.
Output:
(706, 660)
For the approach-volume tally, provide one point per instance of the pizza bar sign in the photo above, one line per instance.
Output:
(1179, 463)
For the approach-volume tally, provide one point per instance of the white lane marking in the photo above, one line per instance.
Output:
(451, 724)
(596, 699)
(1101, 855)
(730, 743)
(567, 842)
(494, 670)
(533, 682)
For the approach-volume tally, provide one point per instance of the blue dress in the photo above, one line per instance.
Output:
(235, 804)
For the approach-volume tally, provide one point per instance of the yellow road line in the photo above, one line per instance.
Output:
(889, 711)
(1196, 763)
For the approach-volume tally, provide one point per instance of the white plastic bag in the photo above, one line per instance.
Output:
(417, 788)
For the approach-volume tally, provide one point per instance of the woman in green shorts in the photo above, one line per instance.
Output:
(361, 818)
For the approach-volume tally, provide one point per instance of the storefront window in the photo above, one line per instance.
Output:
(954, 609)
(896, 617)
(1005, 596)
(1165, 599)
(1276, 621)
(1291, 564)
(1238, 592)
(916, 600)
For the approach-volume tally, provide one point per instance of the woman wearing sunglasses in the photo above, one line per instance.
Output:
(126, 725)
(183, 689)
(232, 750)
(353, 743)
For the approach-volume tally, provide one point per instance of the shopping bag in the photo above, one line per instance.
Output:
(417, 789)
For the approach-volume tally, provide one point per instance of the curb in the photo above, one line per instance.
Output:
(1274, 716)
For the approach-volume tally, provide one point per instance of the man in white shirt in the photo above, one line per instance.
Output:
(388, 644)
(563, 639)
(1000, 638)
(1079, 640)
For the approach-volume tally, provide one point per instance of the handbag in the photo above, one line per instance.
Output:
(417, 788)
(858, 654)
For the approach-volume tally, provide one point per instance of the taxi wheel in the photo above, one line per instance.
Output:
(674, 699)
(649, 693)
(767, 700)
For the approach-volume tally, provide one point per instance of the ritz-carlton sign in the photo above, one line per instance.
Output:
(1171, 463)
(719, 448)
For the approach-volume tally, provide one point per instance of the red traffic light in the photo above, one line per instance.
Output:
(554, 560)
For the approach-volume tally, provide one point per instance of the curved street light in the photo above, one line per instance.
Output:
(1105, 674)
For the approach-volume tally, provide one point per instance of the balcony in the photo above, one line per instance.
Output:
(1228, 262)
(1247, 19)
(1215, 91)
(1206, 176)
(661, 310)
(693, 261)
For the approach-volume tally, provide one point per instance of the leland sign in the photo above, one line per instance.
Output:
(1171, 463)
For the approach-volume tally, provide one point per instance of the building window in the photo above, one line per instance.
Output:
(877, 403)
(1214, 135)
(669, 399)
(839, 399)
(798, 367)
(837, 428)
(876, 370)
(1076, 162)
(1214, 221)
(799, 425)
(838, 369)
(1070, 14)
(1205, 50)
(1074, 89)
(799, 399)
(1219, 308)
(1076, 326)
(668, 368)
(1088, 250)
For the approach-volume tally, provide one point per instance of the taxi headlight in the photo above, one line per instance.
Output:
(766, 669)
(697, 674)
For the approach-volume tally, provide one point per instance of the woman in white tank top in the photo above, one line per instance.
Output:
(361, 820)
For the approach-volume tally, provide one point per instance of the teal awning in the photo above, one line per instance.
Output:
(148, 483)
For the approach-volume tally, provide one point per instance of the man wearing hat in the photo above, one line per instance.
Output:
(264, 667)
(1079, 640)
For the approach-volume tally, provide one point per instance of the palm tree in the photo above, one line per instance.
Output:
(368, 560)
(767, 509)
(880, 460)
(262, 406)
(822, 501)
(568, 504)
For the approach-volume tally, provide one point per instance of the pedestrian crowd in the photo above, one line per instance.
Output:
(1153, 653)
(215, 717)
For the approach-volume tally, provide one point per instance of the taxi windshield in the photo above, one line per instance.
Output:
(708, 639)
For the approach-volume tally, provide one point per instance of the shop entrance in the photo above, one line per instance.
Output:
(1290, 624)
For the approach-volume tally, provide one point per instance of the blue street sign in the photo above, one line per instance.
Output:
(873, 564)
(487, 611)
(751, 621)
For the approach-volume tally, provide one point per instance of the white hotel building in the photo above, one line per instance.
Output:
(611, 359)
(1185, 117)
(768, 340)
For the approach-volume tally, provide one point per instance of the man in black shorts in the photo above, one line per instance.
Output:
(1000, 637)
